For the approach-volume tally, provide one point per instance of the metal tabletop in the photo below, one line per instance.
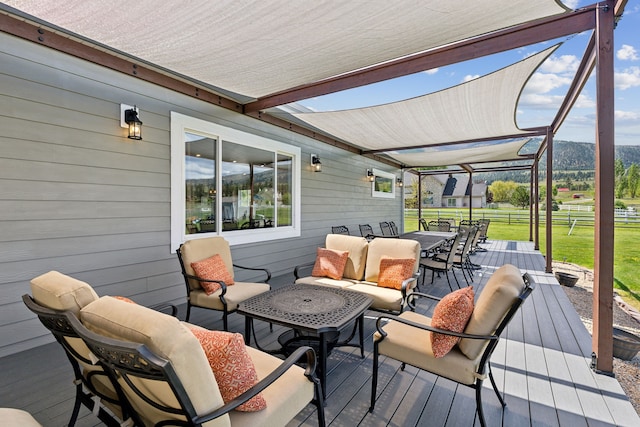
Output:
(430, 240)
(307, 307)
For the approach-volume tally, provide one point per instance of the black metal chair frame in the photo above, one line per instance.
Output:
(225, 311)
(127, 360)
(485, 364)
(57, 322)
(340, 229)
(445, 263)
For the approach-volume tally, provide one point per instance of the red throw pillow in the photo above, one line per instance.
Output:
(125, 299)
(393, 271)
(212, 268)
(452, 313)
(330, 263)
(231, 365)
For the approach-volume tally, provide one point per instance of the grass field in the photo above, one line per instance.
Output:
(577, 248)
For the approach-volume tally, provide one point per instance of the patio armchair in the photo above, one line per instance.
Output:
(408, 336)
(423, 223)
(442, 263)
(165, 375)
(218, 290)
(461, 253)
(54, 294)
(439, 226)
(388, 230)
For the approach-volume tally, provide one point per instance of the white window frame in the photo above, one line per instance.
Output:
(180, 124)
(382, 194)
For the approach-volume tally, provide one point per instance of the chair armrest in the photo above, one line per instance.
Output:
(296, 270)
(200, 279)
(309, 372)
(266, 271)
(428, 328)
(165, 306)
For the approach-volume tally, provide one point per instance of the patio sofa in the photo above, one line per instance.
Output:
(362, 269)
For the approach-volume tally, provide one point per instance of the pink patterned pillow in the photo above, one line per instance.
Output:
(393, 271)
(212, 268)
(231, 365)
(125, 299)
(452, 313)
(330, 263)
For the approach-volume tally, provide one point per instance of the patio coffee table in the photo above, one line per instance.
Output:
(316, 314)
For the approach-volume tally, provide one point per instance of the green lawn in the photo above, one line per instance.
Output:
(576, 248)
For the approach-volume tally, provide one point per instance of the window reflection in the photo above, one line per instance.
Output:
(255, 191)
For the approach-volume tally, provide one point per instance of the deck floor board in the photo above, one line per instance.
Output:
(542, 364)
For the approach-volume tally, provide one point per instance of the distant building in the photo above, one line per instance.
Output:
(448, 191)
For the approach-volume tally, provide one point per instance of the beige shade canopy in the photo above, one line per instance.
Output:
(255, 48)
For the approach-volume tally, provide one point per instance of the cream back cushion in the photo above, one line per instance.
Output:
(165, 336)
(199, 249)
(495, 300)
(357, 248)
(61, 292)
(393, 248)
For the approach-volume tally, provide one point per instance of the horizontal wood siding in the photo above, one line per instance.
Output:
(77, 196)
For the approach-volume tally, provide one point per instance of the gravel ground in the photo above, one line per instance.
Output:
(627, 371)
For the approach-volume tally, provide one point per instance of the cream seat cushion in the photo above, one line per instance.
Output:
(236, 293)
(496, 298)
(11, 417)
(169, 339)
(383, 298)
(357, 248)
(61, 292)
(396, 248)
(200, 249)
(325, 281)
(413, 346)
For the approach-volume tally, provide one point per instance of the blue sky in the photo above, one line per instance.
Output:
(544, 91)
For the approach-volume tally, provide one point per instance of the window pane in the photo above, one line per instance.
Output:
(248, 180)
(200, 183)
(285, 189)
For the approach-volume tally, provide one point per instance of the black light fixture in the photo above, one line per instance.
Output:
(399, 182)
(133, 121)
(316, 164)
(370, 176)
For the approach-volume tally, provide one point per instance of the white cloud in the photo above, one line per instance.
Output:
(627, 117)
(470, 77)
(628, 78)
(560, 64)
(572, 4)
(627, 53)
(545, 83)
(431, 71)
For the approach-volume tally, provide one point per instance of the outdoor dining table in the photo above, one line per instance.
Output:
(315, 314)
(430, 240)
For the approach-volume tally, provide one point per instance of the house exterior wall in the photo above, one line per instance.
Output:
(77, 196)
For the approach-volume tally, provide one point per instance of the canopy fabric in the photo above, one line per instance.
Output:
(255, 48)
(485, 106)
(480, 152)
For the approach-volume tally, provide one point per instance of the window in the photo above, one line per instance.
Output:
(383, 185)
(231, 183)
(451, 203)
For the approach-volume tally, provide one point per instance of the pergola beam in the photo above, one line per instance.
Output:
(499, 41)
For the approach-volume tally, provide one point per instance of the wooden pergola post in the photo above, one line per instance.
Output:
(604, 191)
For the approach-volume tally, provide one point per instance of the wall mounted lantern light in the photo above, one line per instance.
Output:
(316, 164)
(129, 119)
(399, 182)
(370, 176)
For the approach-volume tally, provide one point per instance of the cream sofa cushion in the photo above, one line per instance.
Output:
(495, 300)
(413, 346)
(383, 298)
(61, 292)
(357, 248)
(199, 249)
(390, 247)
(169, 339)
(236, 293)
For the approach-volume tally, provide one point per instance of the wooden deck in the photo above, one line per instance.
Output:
(541, 364)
